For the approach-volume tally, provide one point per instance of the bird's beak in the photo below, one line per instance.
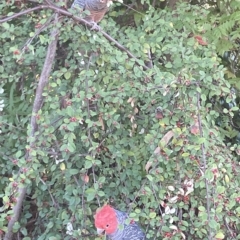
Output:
(100, 231)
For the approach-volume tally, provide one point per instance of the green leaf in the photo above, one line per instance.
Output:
(168, 65)
(150, 177)
(201, 209)
(226, 90)
(101, 193)
(152, 215)
(88, 164)
(67, 75)
(5, 25)
(73, 171)
(101, 179)
(220, 189)
(219, 235)
(213, 224)
(16, 227)
(50, 225)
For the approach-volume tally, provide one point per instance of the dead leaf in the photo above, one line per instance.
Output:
(195, 128)
(135, 110)
(100, 119)
(132, 119)
(200, 40)
(130, 100)
(85, 178)
(148, 165)
(159, 113)
(166, 138)
(157, 151)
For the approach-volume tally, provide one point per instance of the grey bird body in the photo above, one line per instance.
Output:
(126, 231)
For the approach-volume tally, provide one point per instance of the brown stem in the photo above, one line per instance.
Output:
(38, 101)
(6, 19)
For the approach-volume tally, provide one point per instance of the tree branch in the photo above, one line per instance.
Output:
(6, 19)
(38, 101)
(83, 22)
(107, 36)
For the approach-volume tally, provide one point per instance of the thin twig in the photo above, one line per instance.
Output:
(130, 7)
(83, 201)
(89, 129)
(153, 3)
(137, 195)
(160, 210)
(155, 195)
(83, 190)
(226, 224)
(204, 161)
(29, 41)
(149, 62)
(16, 15)
(87, 100)
(53, 200)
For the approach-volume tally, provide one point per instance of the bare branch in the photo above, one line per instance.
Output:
(204, 162)
(38, 101)
(49, 60)
(137, 195)
(149, 62)
(83, 202)
(6, 19)
(29, 41)
(55, 204)
(131, 7)
(82, 21)
(227, 225)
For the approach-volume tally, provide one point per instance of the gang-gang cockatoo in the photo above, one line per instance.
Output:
(113, 223)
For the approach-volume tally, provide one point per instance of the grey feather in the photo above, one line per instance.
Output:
(126, 231)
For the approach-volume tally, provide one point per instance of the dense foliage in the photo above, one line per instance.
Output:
(148, 133)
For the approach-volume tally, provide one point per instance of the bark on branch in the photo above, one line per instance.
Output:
(38, 102)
